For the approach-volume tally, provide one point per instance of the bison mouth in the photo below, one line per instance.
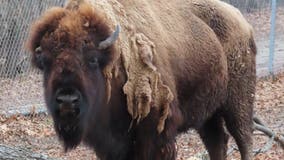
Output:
(69, 133)
(67, 112)
(69, 128)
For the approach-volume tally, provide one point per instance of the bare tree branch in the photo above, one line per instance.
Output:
(259, 125)
(258, 121)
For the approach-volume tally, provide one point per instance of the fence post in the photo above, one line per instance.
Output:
(272, 36)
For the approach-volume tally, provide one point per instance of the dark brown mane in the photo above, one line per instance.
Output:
(47, 23)
(64, 24)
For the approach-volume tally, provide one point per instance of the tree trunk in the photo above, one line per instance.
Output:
(14, 153)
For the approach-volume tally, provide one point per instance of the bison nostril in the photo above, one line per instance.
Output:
(72, 99)
(68, 101)
(77, 111)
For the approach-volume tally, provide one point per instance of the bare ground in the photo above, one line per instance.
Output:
(36, 132)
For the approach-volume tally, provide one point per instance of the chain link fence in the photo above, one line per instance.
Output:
(21, 85)
(15, 19)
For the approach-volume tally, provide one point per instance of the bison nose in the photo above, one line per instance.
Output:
(68, 102)
(67, 99)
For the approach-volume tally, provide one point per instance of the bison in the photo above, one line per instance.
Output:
(168, 66)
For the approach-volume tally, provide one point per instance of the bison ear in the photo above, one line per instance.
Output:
(46, 24)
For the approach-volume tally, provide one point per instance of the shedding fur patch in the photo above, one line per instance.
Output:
(144, 88)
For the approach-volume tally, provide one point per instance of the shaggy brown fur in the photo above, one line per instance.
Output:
(236, 37)
(177, 65)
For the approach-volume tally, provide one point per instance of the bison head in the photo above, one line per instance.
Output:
(72, 49)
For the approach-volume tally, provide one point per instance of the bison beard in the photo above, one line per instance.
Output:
(168, 66)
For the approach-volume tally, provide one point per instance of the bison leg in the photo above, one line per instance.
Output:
(239, 124)
(151, 145)
(166, 152)
(149, 148)
(214, 137)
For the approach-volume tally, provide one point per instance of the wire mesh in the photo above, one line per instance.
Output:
(21, 85)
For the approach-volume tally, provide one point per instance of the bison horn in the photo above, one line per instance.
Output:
(110, 40)
(38, 49)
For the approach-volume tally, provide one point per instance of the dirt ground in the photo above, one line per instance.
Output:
(36, 132)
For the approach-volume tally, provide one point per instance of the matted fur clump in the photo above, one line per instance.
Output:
(144, 88)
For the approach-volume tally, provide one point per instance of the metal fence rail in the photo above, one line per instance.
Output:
(20, 85)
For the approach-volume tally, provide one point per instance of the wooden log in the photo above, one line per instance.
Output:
(16, 153)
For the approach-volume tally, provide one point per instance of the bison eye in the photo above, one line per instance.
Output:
(94, 62)
(39, 60)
